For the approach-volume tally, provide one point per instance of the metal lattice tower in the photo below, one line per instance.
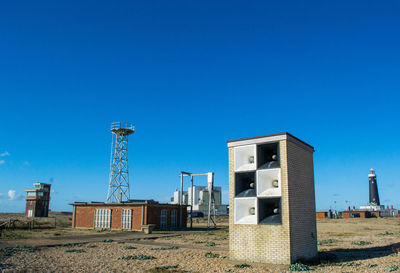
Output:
(118, 189)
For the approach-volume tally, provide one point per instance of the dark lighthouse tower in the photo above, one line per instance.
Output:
(373, 189)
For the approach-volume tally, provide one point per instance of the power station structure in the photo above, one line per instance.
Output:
(118, 189)
(272, 200)
(211, 213)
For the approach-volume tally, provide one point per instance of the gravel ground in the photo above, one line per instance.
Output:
(354, 245)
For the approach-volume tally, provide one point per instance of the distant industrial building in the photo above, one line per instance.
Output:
(37, 200)
(200, 197)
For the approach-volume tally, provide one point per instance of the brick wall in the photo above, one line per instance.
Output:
(149, 214)
(303, 229)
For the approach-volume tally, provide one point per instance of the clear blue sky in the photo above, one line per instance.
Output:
(191, 75)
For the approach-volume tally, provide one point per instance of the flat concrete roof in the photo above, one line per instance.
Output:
(267, 138)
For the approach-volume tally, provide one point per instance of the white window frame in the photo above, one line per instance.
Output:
(102, 218)
(30, 213)
(126, 219)
(163, 218)
(174, 218)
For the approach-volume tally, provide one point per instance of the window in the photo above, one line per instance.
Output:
(173, 218)
(126, 219)
(102, 218)
(163, 218)
(30, 213)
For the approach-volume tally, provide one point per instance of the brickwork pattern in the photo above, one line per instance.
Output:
(303, 231)
(84, 215)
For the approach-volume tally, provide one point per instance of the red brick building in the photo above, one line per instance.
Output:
(37, 200)
(128, 216)
(321, 214)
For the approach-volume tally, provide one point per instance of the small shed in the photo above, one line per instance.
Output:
(128, 215)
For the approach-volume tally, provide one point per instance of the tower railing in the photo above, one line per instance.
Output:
(122, 125)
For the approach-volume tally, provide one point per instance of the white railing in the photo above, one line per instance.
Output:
(122, 125)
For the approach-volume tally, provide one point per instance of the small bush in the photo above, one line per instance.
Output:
(386, 233)
(210, 244)
(391, 268)
(108, 241)
(26, 248)
(91, 246)
(371, 265)
(326, 242)
(8, 251)
(210, 255)
(361, 243)
(129, 247)
(136, 257)
(242, 265)
(298, 267)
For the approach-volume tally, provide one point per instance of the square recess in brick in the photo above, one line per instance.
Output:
(269, 182)
(269, 211)
(246, 211)
(245, 158)
(245, 184)
(268, 155)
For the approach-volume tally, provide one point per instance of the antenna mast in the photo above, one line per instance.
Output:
(118, 189)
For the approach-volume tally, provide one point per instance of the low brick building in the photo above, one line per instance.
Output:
(321, 214)
(128, 215)
(359, 214)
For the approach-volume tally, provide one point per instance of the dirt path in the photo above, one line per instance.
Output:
(62, 240)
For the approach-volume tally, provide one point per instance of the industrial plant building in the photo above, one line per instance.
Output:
(200, 197)
(128, 215)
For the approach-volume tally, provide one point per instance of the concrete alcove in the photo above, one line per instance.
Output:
(269, 211)
(245, 158)
(246, 211)
(268, 156)
(245, 185)
(268, 182)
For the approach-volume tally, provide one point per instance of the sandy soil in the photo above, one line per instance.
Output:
(352, 245)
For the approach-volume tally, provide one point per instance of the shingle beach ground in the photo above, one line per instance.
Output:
(352, 245)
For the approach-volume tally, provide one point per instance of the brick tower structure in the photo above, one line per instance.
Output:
(272, 200)
(37, 200)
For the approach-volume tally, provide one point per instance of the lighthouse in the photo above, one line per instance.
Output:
(373, 189)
